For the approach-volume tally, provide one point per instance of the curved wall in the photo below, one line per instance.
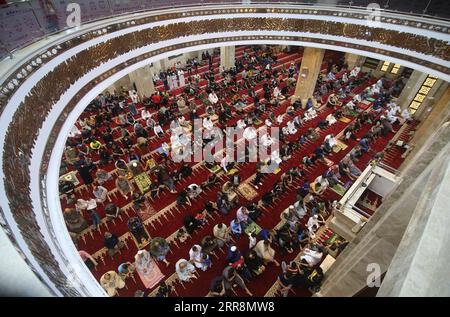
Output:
(39, 228)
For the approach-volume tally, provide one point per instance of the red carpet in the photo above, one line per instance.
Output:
(172, 220)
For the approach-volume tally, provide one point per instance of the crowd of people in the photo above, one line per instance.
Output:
(114, 131)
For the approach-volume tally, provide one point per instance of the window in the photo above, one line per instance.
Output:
(385, 66)
(395, 69)
(422, 93)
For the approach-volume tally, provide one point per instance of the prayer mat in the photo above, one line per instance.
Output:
(215, 169)
(339, 189)
(348, 184)
(142, 244)
(277, 170)
(232, 171)
(146, 212)
(333, 238)
(252, 227)
(247, 191)
(339, 146)
(143, 182)
(151, 163)
(364, 104)
(70, 177)
(345, 119)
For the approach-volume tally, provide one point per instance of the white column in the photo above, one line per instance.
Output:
(227, 56)
(354, 60)
(309, 72)
(142, 78)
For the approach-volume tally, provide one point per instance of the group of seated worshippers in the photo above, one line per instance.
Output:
(289, 237)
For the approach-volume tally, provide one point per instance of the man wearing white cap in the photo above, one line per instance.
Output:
(314, 223)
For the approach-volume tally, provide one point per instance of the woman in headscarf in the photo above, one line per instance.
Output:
(185, 270)
(111, 281)
(147, 269)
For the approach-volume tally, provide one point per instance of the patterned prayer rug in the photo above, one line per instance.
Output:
(143, 182)
(247, 191)
(70, 177)
(339, 189)
(252, 228)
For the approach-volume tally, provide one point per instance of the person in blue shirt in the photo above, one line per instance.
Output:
(302, 139)
(318, 154)
(303, 191)
(364, 143)
(236, 228)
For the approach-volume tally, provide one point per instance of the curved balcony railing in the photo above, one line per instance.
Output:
(24, 22)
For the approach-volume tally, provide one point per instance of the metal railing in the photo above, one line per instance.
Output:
(24, 22)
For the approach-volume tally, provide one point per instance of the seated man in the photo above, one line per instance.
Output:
(254, 263)
(319, 185)
(364, 143)
(227, 163)
(331, 140)
(222, 234)
(223, 205)
(310, 114)
(233, 255)
(291, 129)
(193, 191)
(331, 119)
(242, 215)
(314, 223)
(112, 243)
(183, 198)
(312, 256)
(191, 223)
(209, 244)
(231, 278)
(210, 182)
(236, 228)
(228, 191)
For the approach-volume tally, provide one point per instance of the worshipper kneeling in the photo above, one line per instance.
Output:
(111, 281)
(185, 270)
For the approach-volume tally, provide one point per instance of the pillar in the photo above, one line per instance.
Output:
(309, 72)
(354, 60)
(371, 252)
(411, 88)
(227, 56)
(122, 82)
(142, 79)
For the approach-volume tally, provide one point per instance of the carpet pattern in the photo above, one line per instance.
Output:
(163, 217)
